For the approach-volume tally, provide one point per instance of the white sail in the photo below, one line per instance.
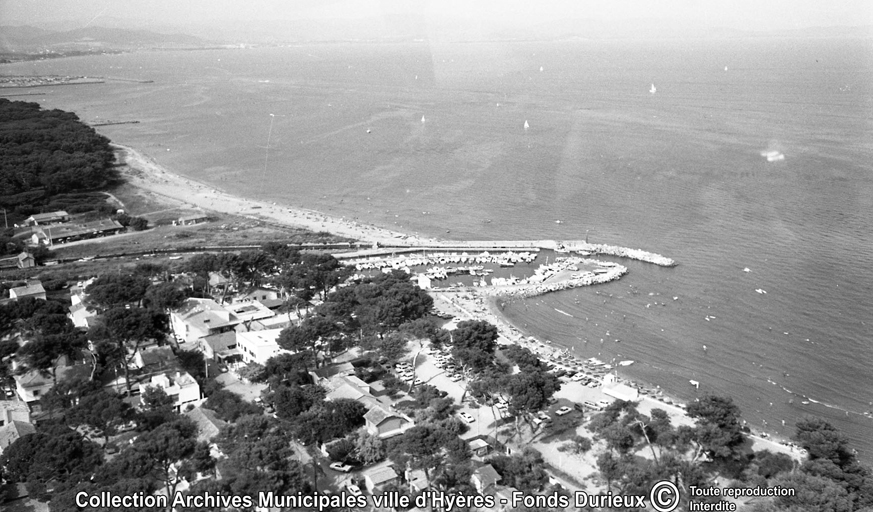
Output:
(652, 89)
(422, 119)
(526, 125)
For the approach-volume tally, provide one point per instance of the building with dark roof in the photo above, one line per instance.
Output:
(50, 235)
(42, 219)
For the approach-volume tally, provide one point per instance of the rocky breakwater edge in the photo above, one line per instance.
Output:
(586, 249)
(554, 277)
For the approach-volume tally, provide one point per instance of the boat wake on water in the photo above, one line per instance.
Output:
(564, 313)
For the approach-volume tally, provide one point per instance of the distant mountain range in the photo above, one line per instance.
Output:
(121, 34)
(29, 39)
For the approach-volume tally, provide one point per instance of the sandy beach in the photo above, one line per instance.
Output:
(468, 304)
(147, 174)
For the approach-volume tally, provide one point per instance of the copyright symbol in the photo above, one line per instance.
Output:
(664, 496)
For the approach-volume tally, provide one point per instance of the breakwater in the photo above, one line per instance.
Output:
(540, 282)
(621, 252)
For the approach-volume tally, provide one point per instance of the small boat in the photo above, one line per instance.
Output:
(559, 222)
(652, 89)
(694, 383)
(422, 120)
(761, 291)
(368, 130)
(625, 363)
(747, 269)
(526, 125)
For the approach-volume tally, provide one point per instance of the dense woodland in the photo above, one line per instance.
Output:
(50, 160)
(91, 439)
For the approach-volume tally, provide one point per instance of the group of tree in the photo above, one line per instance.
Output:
(301, 275)
(372, 307)
(48, 159)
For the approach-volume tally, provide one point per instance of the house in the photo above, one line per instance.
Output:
(326, 373)
(384, 424)
(217, 280)
(274, 322)
(80, 315)
(377, 477)
(417, 480)
(249, 311)
(12, 431)
(201, 317)
(77, 291)
(43, 219)
(479, 447)
(208, 425)
(259, 346)
(32, 385)
(71, 232)
(189, 220)
(352, 388)
(33, 289)
(154, 359)
(220, 347)
(260, 294)
(13, 410)
(26, 260)
(180, 386)
(485, 478)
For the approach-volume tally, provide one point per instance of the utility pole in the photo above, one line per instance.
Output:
(5, 219)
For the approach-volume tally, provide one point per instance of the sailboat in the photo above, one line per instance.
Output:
(422, 119)
(652, 89)
(526, 125)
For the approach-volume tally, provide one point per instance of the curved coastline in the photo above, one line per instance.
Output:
(472, 303)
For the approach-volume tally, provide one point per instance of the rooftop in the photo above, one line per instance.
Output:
(15, 429)
(205, 314)
(31, 288)
(37, 217)
(381, 475)
(74, 230)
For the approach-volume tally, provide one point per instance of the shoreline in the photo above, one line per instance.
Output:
(157, 179)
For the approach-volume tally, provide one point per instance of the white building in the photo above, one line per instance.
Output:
(181, 387)
(201, 317)
(259, 346)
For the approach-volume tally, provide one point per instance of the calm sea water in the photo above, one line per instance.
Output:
(678, 172)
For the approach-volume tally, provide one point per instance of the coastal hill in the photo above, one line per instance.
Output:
(33, 40)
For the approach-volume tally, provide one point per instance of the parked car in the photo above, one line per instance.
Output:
(339, 466)
(563, 410)
(591, 405)
(353, 489)
(466, 417)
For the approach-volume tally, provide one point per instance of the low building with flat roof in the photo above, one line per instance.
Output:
(50, 235)
(42, 219)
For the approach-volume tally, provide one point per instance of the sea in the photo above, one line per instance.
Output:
(749, 162)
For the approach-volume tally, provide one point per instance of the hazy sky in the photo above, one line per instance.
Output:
(738, 14)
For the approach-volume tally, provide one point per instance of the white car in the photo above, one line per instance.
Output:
(466, 417)
(563, 410)
(353, 489)
(577, 377)
(339, 466)
(455, 377)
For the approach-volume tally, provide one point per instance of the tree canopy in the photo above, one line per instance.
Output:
(48, 158)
